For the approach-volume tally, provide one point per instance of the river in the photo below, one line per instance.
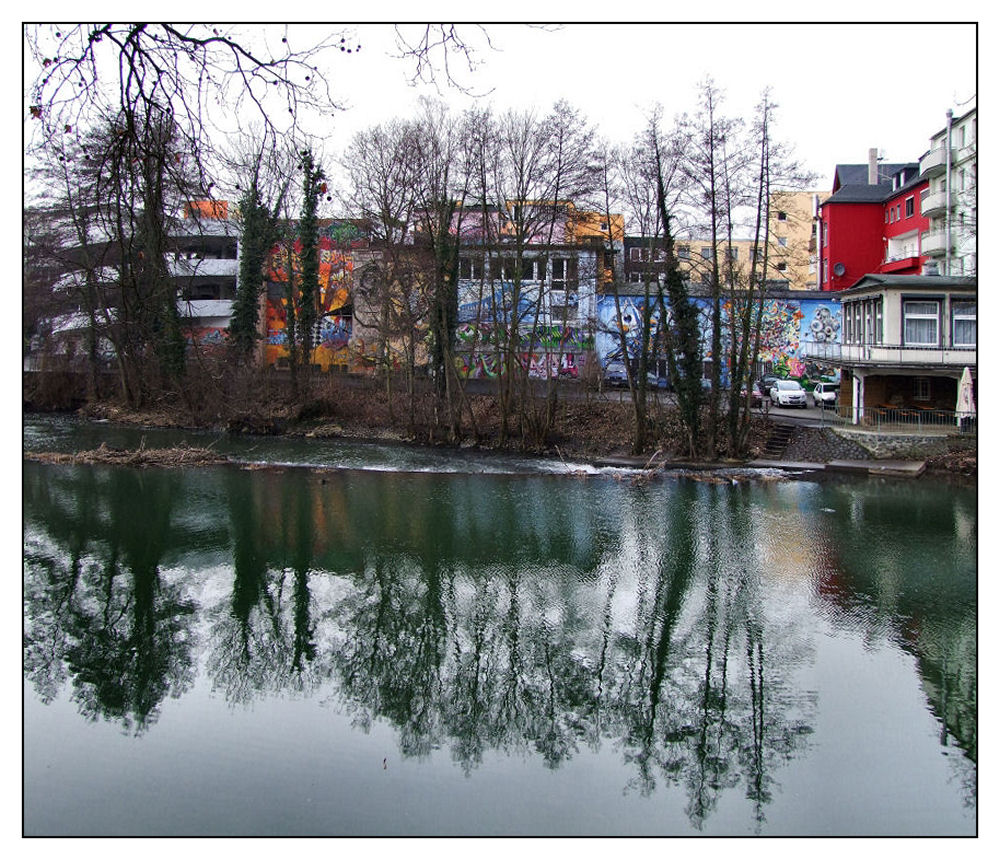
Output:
(419, 642)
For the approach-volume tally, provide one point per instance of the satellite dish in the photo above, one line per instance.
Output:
(839, 269)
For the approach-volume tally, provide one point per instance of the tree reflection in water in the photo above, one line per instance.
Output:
(541, 617)
(102, 615)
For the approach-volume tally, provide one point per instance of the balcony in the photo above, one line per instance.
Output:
(201, 267)
(200, 309)
(934, 243)
(934, 202)
(869, 355)
(901, 266)
(935, 162)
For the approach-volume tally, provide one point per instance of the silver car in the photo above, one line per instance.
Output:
(787, 392)
(825, 394)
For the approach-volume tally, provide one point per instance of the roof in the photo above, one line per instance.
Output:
(910, 282)
(955, 120)
(864, 192)
(857, 174)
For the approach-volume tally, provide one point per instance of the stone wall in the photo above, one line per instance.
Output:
(817, 445)
(814, 445)
(896, 446)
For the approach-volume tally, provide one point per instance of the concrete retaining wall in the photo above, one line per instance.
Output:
(894, 446)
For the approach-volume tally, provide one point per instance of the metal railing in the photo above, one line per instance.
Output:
(915, 420)
(890, 354)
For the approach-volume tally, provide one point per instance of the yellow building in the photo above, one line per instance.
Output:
(791, 257)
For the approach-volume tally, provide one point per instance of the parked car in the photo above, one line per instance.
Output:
(654, 381)
(615, 374)
(825, 394)
(788, 392)
(756, 398)
(766, 383)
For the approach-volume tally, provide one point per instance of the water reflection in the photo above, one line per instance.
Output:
(534, 616)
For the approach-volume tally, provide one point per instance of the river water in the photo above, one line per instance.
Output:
(419, 643)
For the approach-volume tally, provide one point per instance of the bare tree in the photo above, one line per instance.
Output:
(713, 165)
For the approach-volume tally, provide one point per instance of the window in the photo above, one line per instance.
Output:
(734, 253)
(783, 241)
(782, 216)
(683, 252)
(469, 269)
(921, 388)
(706, 253)
(892, 214)
(899, 211)
(909, 207)
(564, 273)
(507, 268)
(533, 269)
(659, 255)
(963, 323)
(886, 216)
(782, 267)
(920, 323)
(604, 226)
(848, 324)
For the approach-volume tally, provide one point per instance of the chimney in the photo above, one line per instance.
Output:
(873, 167)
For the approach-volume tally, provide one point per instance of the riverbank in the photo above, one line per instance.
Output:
(586, 426)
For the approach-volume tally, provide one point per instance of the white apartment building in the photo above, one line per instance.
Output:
(949, 202)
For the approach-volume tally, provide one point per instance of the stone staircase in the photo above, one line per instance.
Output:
(777, 441)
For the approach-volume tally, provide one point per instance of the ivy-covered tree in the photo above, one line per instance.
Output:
(313, 185)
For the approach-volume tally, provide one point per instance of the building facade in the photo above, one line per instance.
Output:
(950, 199)
(906, 341)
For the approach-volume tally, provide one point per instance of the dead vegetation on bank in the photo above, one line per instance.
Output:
(142, 457)
(587, 426)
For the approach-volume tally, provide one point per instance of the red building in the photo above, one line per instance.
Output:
(871, 224)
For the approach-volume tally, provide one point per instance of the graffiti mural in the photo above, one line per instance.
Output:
(786, 324)
(208, 339)
(543, 351)
(336, 267)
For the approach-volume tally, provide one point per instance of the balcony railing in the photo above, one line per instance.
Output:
(932, 202)
(912, 420)
(202, 266)
(934, 243)
(935, 161)
(882, 354)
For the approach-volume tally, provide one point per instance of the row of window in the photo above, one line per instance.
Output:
(894, 213)
(641, 255)
(565, 270)
(922, 321)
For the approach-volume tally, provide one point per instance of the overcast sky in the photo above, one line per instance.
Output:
(841, 88)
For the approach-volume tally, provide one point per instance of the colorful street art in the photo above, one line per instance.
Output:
(632, 315)
(208, 339)
(336, 267)
(548, 351)
(786, 325)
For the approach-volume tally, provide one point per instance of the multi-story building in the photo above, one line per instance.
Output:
(949, 201)
(791, 259)
(544, 282)
(870, 223)
(906, 341)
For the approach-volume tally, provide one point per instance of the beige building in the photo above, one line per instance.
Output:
(791, 258)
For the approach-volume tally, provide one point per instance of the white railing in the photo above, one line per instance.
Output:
(918, 420)
(935, 160)
(933, 242)
(184, 267)
(882, 354)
